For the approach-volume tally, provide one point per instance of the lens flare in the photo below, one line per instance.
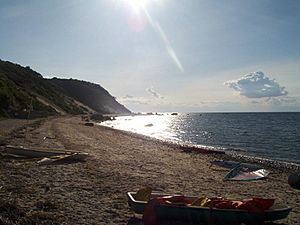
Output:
(137, 24)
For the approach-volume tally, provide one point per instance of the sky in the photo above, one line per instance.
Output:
(164, 55)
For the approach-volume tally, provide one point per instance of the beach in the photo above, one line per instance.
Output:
(94, 191)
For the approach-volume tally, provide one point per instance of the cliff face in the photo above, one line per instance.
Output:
(23, 90)
(92, 95)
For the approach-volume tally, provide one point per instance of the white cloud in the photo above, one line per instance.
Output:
(279, 104)
(285, 101)
(256, 85)
(154, 93)
(129, 99)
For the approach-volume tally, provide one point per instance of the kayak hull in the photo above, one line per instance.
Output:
(196, 214)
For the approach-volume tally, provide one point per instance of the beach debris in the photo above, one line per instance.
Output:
(48, 137)
(242, 173)
(101, 118)
(49, 160)
(89, 124)
(44, 156)
(23, 152)
(201, 150)
(149, 125)
(11, 156)
(294, 181)
(69, 158)
(85, 118)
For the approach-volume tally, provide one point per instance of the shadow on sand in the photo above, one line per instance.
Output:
(138, 221)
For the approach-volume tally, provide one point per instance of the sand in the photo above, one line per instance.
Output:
(94, 191)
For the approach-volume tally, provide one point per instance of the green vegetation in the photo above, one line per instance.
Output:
(22, 89)
(15, 101)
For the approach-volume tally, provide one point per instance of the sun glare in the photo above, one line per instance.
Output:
(137, 23)
(136, 5)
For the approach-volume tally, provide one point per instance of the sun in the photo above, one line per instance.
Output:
(136, 5)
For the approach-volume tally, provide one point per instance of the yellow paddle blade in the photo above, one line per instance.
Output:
(143, 194)
(203, 201)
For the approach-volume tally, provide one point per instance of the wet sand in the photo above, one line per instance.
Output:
(94, 191)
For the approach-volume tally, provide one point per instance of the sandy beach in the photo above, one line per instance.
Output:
(94, 191)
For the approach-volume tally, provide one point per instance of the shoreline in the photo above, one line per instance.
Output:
(283, 153)
(286, 166)
(94, 191)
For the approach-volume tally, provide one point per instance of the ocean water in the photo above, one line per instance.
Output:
(273, 136)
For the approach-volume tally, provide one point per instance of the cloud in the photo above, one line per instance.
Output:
(154, 93)
(285, 101)
(256, 85)
(129, 99)
(135, 100)
(254, 102)
(279, 104)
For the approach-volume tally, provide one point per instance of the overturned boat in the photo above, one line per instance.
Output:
(241, 173)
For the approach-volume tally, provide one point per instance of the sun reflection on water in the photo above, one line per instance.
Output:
(156, 126)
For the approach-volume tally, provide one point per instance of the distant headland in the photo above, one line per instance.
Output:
(25, 93)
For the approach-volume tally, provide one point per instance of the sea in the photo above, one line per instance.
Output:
(271, 136)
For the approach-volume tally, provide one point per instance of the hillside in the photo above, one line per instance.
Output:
(22, 88)
(90, 94)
